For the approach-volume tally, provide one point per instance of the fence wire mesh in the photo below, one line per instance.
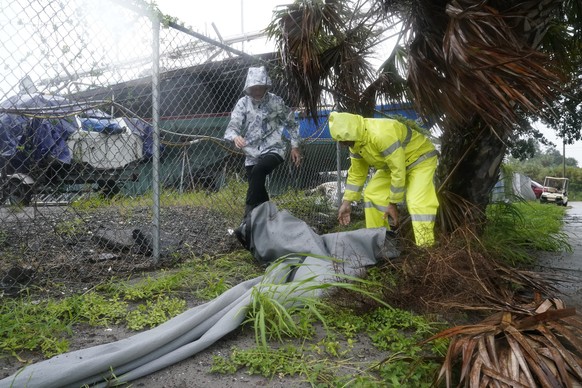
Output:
(77, 145)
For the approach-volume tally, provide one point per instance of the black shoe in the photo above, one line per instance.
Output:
(240, 234)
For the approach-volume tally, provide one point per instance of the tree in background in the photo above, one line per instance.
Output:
(479, 69)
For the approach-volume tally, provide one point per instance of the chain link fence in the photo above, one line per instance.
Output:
(111, 152)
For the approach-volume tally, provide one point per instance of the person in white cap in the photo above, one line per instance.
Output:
(256, 127)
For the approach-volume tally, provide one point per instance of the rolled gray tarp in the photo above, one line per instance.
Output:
(306, 259)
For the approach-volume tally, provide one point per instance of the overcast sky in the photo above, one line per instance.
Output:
(231, 17)
(572, 150)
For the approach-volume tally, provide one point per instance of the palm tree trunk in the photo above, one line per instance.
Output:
(468, 169)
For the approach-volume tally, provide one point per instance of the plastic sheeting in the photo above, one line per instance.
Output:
(305, 260)
(48, 136)
(510, 188)
(146, 132)
(42, 135)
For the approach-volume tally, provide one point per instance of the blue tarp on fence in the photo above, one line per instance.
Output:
(314, 131)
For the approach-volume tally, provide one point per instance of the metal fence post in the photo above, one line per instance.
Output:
(339, 174)
(156, 138)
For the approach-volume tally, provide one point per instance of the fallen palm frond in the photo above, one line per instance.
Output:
(539, 346)
(459, 275)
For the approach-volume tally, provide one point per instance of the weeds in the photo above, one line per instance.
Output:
(292, 310)
(328, 361)
(154, 313)
(233, 193)
(96, 310)
(147, 288)
(285, 361)
(45, 325)
(273, 305)
(4, 237)
(71, 228)
(32, 325)
(515, 230)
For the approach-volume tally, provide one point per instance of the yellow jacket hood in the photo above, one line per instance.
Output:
(346, 126)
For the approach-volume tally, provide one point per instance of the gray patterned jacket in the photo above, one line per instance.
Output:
(261, 123)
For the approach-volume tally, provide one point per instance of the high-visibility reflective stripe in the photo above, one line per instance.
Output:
(423, 217)
(408, 137)
(395, 189)
(422, 158)
(354, 187)
(391, 149)
(370, 205)
(355, 156)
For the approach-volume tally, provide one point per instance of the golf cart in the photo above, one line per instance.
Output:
(555, 190)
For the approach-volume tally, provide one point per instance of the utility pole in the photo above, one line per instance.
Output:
(564, 157)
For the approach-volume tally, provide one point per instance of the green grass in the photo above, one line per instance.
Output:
(278, 314)
(329, 361)
(516, 230)
(229, 201)
(71, 228)
(45, 325)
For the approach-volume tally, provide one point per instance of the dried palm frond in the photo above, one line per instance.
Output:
(484, 67)
(458, 274)
(538, 346)
(455, 211)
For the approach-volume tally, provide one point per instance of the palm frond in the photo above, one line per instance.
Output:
(483, 68)
(294, 29)
(539, 346)
(458, 274)
(389, 84)
(323, 46)
(455, 211)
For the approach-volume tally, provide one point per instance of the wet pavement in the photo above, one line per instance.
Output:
(568, 264)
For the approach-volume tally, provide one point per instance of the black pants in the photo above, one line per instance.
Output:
(256, 176)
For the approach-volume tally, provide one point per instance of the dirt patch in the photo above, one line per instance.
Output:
(66, 246)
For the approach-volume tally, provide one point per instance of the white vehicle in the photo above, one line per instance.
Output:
(555, 190)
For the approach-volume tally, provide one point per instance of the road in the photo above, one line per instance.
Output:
(568, 264)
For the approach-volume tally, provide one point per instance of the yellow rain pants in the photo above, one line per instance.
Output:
(421, 200)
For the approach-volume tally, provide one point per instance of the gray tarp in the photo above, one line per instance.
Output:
(306, 261)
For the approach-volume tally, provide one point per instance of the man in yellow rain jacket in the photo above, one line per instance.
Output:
(405, 162)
